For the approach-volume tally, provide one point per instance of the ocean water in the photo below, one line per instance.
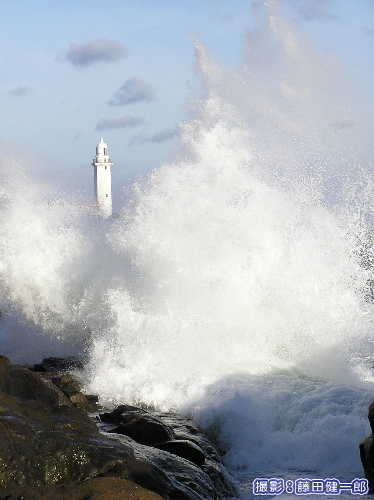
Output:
(234, 285)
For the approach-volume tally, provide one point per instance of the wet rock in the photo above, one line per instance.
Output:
(185, 428)
(98, 488)
(55, 364)
(72, 420)
(142, 427)
(4, 374)
(47, 443)
(70, 385)
(371, 416)
(367, 451)
(114, 417)
(27, 385)
(184, 448)
(183, 479)
(44, 438)
(93, 399)
(189, 457)
(367, 459)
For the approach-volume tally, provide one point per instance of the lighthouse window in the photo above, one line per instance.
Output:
(105, 167)
(106, 195)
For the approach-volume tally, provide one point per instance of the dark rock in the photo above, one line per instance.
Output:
(114, 417)
(185, 480)
(213, 466)
(371, 416)
(98, 488)
(191, 459)
(28, 385)
(72, 420)
(47, 443)
(367, 452)
(185, 428)
(367, 459)
(4, 374)
(55, 364)
(70, 385)
(92, 398)
(144, 428)
(184, 448)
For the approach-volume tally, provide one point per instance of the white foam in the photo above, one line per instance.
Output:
(286, 424)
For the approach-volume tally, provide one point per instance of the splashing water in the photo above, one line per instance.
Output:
(242, 264)
(232, 285)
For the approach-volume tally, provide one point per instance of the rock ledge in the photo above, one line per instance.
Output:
(51, 448)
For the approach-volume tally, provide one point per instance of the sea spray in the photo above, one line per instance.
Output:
(287, 425)
(241, 261)
(50, 273)
(247, 303)
(234, 275)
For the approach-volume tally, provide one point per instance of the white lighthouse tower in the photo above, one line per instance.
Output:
(103, 181)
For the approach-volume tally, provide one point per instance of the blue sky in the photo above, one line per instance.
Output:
(75, 70)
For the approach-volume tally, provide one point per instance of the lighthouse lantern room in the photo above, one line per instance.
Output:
(103, 182)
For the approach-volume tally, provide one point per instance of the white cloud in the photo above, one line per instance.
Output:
(20, 91)
(93, 51)
(133, 90)
(161, 136)
(164, 135)
(126, 121)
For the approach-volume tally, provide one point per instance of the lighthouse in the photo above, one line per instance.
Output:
(103, 181)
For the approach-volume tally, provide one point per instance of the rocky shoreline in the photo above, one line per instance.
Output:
(51, 448)
(367, 451)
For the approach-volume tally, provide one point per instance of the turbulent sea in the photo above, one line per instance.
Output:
(234, 285)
